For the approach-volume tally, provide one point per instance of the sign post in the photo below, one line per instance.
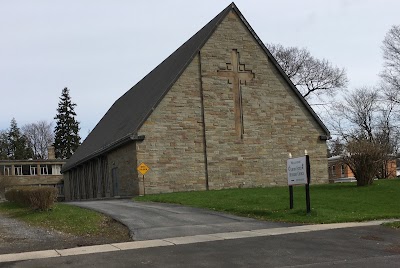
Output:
(308, 202)
(143, 168)
(298, 170)
(291, 196)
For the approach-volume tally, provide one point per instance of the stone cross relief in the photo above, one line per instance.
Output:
(237, 75)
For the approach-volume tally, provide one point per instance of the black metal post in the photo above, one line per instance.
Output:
(291, 196)
(308, 203)
(308, 170)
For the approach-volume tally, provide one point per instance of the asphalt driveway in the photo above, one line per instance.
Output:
(157, 220)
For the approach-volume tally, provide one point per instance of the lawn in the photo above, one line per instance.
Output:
(329, 203)
(67, 219)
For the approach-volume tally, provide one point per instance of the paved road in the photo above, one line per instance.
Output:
(156, 220)
(364, 247)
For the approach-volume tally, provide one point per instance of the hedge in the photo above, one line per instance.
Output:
(40, 198)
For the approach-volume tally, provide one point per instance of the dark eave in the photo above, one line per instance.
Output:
(104, 150)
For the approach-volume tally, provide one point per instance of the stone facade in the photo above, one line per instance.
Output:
(122, 173)
(174, 143)
(218, 113)
(111, 175)
(192, 140)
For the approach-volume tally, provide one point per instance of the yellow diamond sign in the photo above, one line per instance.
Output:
(143, 168)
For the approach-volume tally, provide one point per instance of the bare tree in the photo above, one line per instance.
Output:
(40, 136)
(308, 74)
(387, 135)
(391, 55)
(335, 147)
(368, 119)
(359, 109)
(369, 133)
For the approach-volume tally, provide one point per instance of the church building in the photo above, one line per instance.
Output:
(218, 113)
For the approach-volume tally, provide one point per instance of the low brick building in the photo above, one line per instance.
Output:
(218, 113)
(46, 172)
(340, 172)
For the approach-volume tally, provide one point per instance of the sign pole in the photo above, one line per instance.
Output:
(308, 202)
(290, 191)
(144, 188)
(143, 168)
(291, 196)
(308, 199)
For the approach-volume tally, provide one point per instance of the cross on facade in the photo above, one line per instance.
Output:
(237, 75)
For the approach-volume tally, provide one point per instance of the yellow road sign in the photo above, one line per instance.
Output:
(143, 168)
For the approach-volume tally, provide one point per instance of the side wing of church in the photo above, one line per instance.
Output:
(217, 113)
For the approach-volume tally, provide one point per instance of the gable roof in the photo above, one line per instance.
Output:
(122, 121)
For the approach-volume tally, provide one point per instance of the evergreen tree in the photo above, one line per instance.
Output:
(18, 146)
(67, 137)
(3, 145)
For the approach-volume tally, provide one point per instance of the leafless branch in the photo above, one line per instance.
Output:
(40, 136)
(308, 74)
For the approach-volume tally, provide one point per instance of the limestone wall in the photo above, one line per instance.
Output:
(124, 177)
(173, 146)
(275, 122)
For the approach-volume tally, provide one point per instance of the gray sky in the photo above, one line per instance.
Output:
(99, 49)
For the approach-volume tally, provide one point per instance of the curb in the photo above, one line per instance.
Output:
(181, 240)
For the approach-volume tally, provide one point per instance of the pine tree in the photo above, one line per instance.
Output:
(67, 137)
(3, 145)
(18, 146)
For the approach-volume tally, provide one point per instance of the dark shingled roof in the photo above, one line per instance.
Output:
(122, 121)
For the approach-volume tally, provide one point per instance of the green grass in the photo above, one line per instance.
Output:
(330, 202)
(395, 224)
(63, 217)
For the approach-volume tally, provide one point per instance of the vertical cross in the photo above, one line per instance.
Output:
(237, 76)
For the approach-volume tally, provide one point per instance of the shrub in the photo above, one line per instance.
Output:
(4, 182)
(365, 158)
(41, 198)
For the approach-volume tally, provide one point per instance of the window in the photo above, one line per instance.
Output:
(49, 169)
(26, 170)
(44, 170)
(18, 170)
(33, 170)
(333, 171)
(56, 169)
(7, 170)
(342, 170)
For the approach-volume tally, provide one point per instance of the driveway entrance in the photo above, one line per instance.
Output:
(158, 220)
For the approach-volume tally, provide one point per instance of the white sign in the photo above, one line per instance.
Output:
(297, 170)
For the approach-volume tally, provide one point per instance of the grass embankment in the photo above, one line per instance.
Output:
(330, 202)
(66, 218)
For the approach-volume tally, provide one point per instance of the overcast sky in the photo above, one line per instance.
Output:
(100, 49)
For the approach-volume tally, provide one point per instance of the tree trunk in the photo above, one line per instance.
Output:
(364, 181)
